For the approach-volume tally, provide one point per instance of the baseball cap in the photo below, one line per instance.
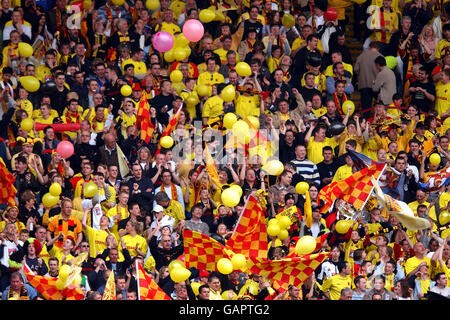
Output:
(158, 208)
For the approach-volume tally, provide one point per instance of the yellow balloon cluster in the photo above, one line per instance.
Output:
(55, 189)
(180, 49)
(278, 227)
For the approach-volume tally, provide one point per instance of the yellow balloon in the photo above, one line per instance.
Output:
(283, 235)
(203, 90)
(237, 188)
(27, 124)
(219, 16)
(254, 121)
(273, 167)
(273, 229)
(192, 100)
(302, 187)
(230, 197)
(305, 245)
(206, 15)
(181, 41)
(229, 120)
(238, 261)
(288, 20)
(342, 226)
(187, 50)
(166, 142)
(30, 83)
(178, 86)
(87, 4)
(346, 105)
(273, 221)
(444, 218)
(240, 128)
(284, 222)
(55, 189)
(435, 159)
(90, 189)
(152, 4)
(49, 200)
(25, 50)
(179, 274)
(176, 76)
(126, 90)
(228, 93)
(195, 286)
(179, 53)
(243, 69)
(224, 266)
(175, 264)
(168, 56)
(118, 2)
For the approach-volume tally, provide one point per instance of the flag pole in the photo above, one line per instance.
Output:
(137, 280)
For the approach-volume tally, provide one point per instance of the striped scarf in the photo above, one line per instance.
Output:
(23, 295)
(173, 191)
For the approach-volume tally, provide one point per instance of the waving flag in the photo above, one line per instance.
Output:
(169, 129)
(250, 234)
(148, 289)
(211, 168)
(143, 121)
(360, 160)
(354, 190)
(46, 286)
(288, 271)
(436, 181)
(110, 288)
(7, 190)
(203, 252)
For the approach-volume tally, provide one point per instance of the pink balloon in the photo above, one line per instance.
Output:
(193, 30)
(65, 149)
(162, 41)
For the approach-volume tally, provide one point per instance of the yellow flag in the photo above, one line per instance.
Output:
(211, 168)
(110, 288)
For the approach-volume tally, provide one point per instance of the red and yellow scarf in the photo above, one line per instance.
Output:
(173, 191)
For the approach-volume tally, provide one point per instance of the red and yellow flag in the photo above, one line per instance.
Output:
(250, 234)
(354, 190)
(288, 271)
(169, 129)
(7, 190)
(143, 121)
(46, 286)
(203, 252)
(148, 289)
(110, 288)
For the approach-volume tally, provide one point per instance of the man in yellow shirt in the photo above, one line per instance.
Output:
(384, 23)
(213, 107)
(168, 24)
(413, 264)
(442, 103)
(333, 286)
(226, 43)
(211, 75)
(316, 142)
(137, 57)
(344, 171)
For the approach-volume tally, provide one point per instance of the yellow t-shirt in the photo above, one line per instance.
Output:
(442, 97)
(247, 105)
(442, 44)
(175, 210)
(335, 284)
(171, 28)
(97, 241)
(131, 243)
(222, 53)
(123, 215)
(213, 107)
(329, 70)
(59, 254)
(207, 78)
(414, 262)
(342, 172)
(314, 148)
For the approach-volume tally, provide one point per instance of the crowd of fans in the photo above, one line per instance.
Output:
(301, 76)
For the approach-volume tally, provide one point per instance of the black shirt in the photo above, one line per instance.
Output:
(419, 98)
(326, 170)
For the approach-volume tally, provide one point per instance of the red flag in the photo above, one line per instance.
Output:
(7, 190)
